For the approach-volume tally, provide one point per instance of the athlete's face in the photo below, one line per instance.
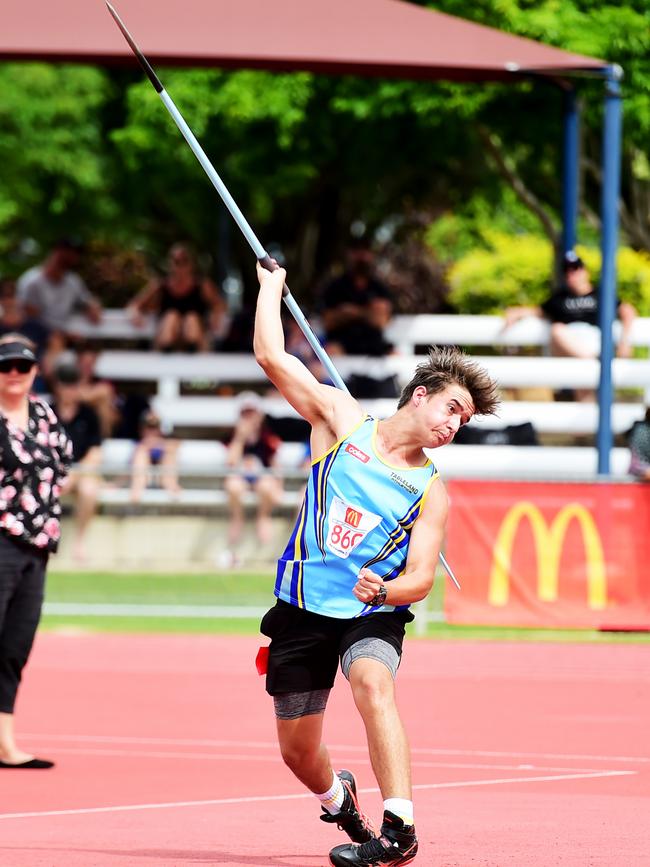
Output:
(443, 413)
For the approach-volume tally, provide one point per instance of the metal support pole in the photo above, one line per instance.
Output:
(609, 242)
(570, 169)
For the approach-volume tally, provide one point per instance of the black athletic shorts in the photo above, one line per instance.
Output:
(306, 648)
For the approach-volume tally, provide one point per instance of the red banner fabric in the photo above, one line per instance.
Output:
(549, 554)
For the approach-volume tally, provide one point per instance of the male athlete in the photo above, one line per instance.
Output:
(365, 546)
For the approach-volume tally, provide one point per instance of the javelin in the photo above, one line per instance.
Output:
(262, 256)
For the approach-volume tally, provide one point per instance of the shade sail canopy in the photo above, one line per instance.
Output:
(361, 37)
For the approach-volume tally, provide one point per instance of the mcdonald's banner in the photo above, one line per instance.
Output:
(549, 554)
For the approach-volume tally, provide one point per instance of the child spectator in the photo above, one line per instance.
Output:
(155, 452)
(251, 454)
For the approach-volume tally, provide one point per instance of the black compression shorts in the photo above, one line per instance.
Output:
(306, 648)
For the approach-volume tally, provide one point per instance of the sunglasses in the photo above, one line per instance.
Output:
(22, 365)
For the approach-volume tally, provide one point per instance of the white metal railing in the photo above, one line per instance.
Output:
(169, 371)
(405, 331)
(572, 417)
(208, 459)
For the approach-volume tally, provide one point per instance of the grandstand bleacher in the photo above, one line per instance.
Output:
(169, 370)
(167, 375)
(405, 332)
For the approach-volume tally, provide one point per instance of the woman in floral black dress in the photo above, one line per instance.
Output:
(34, 457)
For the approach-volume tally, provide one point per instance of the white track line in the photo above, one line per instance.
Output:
(267, 798)
(266, 745)
(249, 757)
(109, 609)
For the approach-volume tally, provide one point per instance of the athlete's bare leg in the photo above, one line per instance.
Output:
(373, 689)
(304, 753)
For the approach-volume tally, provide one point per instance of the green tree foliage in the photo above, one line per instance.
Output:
(526, 121)
(93, 151)
(51, 150)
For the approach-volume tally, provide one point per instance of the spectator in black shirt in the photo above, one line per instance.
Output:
(34, 458)
(188, 305)
(573, 313)
(98, 393)
(357, 306)
(82, 426)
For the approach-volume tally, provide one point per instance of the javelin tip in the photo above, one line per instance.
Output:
(142, 60)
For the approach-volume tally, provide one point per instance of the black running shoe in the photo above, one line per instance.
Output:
(396, 845)
(350, 818)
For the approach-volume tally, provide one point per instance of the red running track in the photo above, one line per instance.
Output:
(524, 754)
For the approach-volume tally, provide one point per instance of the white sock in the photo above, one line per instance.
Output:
(400, 807)
(332, 799)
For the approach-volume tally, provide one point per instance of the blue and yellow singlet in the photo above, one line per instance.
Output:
(357, 511)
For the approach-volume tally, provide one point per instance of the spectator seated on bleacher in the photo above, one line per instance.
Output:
(154, 460)
(356, 306)
(97, 392)
(251, 454)
(53, 291)
(572, 311)
(189, 306)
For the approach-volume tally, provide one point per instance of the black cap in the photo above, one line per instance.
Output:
(16, 349)
(572, 262)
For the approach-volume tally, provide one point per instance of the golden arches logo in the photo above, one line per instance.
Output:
(549, 542)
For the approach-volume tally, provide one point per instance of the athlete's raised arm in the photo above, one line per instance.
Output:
(321, 405)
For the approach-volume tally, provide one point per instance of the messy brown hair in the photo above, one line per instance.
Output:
(447, 366)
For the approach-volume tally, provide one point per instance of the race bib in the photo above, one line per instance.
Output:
(348, 526)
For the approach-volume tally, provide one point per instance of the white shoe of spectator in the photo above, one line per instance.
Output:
(227, 559)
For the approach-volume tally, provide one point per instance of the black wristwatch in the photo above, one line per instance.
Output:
(378, 600)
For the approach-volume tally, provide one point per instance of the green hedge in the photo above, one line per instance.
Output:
(517, 270)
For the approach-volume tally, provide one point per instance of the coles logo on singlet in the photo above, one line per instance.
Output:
(357, 453)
